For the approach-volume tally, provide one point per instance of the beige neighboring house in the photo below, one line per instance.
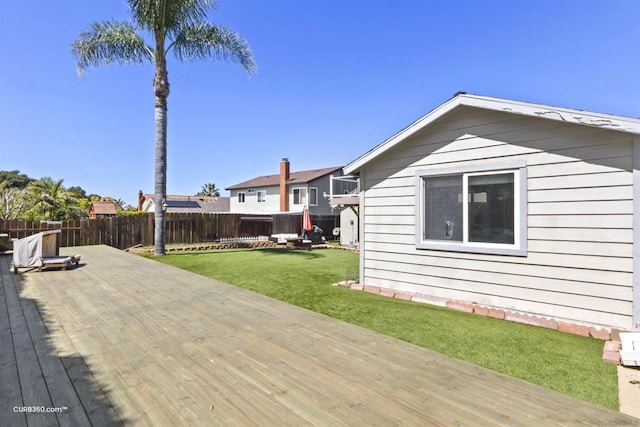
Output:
(519, 207)
(185, 204)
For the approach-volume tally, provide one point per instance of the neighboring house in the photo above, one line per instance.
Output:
(285, 192)
(519, 207)
(102, 210)
(185, 204)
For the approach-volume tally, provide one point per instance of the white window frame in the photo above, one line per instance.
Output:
(261, 196)
(293, 197)
(244, 197)
(518, 248)
(313, 201)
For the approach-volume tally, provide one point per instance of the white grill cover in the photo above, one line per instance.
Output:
(27, 252)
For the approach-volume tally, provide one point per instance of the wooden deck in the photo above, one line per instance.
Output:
(123, 339)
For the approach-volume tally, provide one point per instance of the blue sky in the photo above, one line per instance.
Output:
(334, 79)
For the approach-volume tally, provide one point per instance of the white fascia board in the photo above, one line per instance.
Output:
(585, 118)
(567, 115)
(414, 127)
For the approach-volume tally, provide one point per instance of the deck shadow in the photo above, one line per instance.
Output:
(38, 384)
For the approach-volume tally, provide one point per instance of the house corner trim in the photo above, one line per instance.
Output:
(636, 233)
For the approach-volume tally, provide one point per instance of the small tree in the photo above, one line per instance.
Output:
(14, 201)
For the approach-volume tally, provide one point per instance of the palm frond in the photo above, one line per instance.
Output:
(203, 40)
(109, 42)
(169, 15)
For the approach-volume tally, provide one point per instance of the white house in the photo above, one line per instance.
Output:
(284, 192)
(512, 206)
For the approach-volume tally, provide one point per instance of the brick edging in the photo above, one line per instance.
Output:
(513, 316)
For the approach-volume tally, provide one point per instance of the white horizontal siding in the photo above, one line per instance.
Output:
(555, 165)
(602, 249)
(611, 207)
(581, 234)
(389, 210)
(581, 181)
(594, 315)
(400, 225)
(608, 155)
(391, 220)
(603, 253)
(582, 221)
(580, 217)
(503, 265)
(620, 192)
(395, 200)
(593, 264)
(548, 291)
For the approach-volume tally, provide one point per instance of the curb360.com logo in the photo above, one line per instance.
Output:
(40, 409)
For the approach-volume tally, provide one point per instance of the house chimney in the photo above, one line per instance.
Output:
(140, 200)
(284, 193)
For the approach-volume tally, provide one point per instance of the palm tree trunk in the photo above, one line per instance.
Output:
(161, 89)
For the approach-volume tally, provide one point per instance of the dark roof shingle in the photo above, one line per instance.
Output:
(294, 177)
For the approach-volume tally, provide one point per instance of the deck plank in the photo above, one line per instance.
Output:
(82, 337)
(59, 386)
(32, 382)
(169, 347)
(10, 393)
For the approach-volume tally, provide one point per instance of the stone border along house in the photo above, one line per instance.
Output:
(526, 211)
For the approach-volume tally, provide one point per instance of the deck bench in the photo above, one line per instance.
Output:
(59, 261)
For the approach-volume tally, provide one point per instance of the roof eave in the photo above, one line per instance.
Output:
(567, 115)
(293, 180)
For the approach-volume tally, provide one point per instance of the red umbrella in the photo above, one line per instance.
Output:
(306, 220)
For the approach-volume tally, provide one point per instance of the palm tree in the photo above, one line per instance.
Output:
(173, 25)
(209, 189)
(119, 204)
(52, 199)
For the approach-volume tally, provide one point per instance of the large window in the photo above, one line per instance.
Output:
(300, 196)
(473, 210)
(491, 208)
(443, 208)
(261, 196)
(241, 197)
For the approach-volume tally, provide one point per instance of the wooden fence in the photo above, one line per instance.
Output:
(127, 231)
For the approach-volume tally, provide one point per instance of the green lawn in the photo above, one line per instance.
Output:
(567, 363)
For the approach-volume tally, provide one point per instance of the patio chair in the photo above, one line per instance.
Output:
(40, 251)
